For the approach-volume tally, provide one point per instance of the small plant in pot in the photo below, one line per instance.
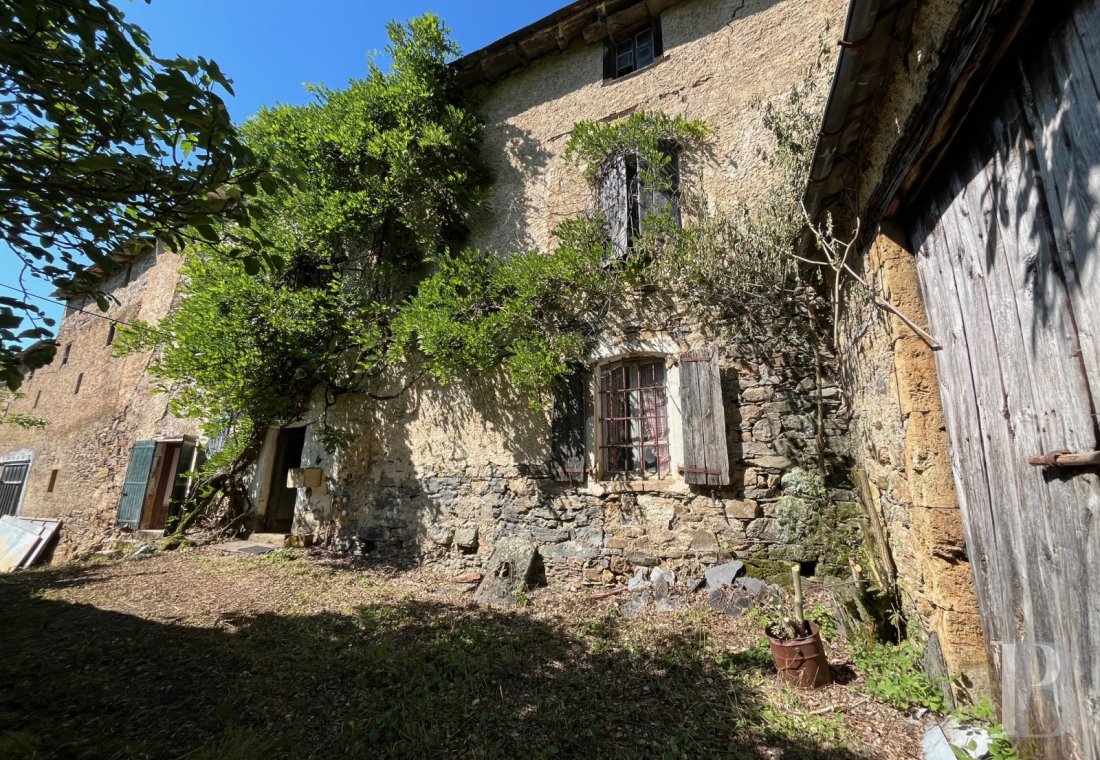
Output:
(795, 641)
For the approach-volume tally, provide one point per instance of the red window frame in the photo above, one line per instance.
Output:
(633, 419)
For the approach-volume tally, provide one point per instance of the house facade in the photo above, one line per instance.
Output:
(675, 445)
(111, 454)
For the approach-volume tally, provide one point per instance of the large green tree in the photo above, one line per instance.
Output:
(383, 174)
(102, 143)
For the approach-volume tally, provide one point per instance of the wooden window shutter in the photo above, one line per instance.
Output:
(136, 483)
(569, 462)
(611, 200)
(706, 457)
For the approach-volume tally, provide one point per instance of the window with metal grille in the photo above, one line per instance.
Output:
(633, 412)
(635, 52)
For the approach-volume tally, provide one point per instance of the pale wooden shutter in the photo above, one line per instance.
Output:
(611, 199)
(706, 457)
(569, 462)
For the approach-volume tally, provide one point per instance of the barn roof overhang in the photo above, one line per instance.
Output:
(875, 38)
(589, 20)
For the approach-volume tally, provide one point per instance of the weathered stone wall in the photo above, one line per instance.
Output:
(902, 461)
(898, 443)
(719, 56)
(437, 464)
(90, 433)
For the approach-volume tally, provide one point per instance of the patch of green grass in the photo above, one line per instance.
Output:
(894, 675)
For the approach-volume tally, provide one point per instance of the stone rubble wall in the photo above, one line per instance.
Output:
(902, 466)
(90, 433)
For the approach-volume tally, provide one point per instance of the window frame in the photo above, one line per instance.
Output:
(638, 199)
(630, 45)
(640, 477)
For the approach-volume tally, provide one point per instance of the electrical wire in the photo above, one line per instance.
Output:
(25, 294)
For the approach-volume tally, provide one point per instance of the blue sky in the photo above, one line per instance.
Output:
(271, 48)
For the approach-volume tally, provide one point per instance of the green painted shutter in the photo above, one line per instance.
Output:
(136, 483)
(706, 456)
(181, 484)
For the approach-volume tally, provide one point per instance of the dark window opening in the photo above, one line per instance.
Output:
(79, 380)
(37, 398)
(53, 481)
(111, 334)
(633, 410)
(634, 52)
(65, 355)
(129, 273)
(807, 568)
(633, 197)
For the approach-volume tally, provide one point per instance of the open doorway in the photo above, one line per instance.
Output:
(155, 515)
(156, 482)
(280, 502)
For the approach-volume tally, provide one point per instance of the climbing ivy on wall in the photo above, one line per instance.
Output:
(367, 280)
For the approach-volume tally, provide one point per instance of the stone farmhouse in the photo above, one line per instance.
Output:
(112, 453)
(957, 154)
(677, 445)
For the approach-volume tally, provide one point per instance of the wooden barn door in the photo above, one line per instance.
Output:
(1009, 263)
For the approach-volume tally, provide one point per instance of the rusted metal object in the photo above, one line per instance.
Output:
(801, 662)
(1066, 459)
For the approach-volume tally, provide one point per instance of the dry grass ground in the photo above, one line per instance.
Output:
(200, 654)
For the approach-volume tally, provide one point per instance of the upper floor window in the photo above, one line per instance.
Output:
(631, 195)
(65, 355)
(633, 52)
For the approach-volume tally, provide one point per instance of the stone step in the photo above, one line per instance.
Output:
(268, 539)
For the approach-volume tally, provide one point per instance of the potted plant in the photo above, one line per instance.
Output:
(795, 642)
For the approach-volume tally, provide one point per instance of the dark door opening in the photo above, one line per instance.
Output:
(156, 515)
(288, 456)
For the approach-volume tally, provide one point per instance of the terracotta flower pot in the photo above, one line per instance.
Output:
(801, 661)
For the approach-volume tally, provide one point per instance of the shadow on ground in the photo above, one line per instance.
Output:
(396, 679)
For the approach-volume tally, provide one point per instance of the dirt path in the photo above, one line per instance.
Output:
(199, 654)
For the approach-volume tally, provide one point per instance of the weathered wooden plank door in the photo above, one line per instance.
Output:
(136, 483)
(1010, 270)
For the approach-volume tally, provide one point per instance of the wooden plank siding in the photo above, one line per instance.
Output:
(1009, 264)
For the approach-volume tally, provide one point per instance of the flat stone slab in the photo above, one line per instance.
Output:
(510, 571)
(723, 575)
(245, 547)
